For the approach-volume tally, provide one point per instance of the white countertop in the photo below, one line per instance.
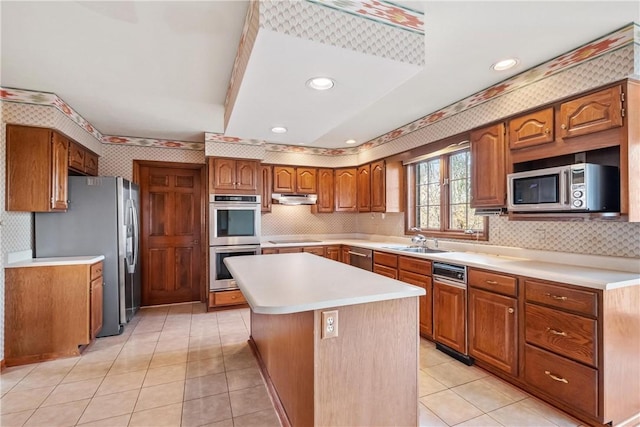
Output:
(580, 275)
(54, 261)
(292, 283)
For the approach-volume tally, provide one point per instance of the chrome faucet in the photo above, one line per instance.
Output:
(419, 239)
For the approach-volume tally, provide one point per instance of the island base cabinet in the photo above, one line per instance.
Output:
(326, 382)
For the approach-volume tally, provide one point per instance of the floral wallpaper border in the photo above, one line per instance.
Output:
(611, 42)
(380, 11)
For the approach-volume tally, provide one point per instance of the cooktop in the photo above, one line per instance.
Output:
(294, 241)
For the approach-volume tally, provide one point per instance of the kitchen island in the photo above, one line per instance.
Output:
(367, 374)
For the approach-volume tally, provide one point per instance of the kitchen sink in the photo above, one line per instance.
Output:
(414, 249)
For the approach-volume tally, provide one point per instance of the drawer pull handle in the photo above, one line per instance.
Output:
(556, 297)
(556, 332)
(491, 282)
(556, 378)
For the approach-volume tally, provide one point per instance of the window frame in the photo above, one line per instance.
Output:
(445, 214)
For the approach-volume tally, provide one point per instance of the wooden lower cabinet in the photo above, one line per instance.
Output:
(316, 250)
(226, 298)
(52, 311)
(383, 270)
(449, 307)
(345, 257)
(333, 252)
(425, 301)
(493, 329)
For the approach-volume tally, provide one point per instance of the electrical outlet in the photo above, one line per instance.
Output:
(329, 324)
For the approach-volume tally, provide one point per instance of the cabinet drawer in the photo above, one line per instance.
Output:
(228, 298)
(583, 302)
(384, 258)
(568, 381)
(564, 333)
(494, 282)
(289, 250)
(96, 270)
(383, 270)
(415, 265)
(316, 250)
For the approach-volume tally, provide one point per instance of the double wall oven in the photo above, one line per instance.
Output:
(234, 230)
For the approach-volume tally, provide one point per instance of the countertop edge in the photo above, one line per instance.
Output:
(55, 261)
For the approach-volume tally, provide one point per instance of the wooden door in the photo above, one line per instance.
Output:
(488, 167)
(325, 192)
(247, 176)
(265, 188)
(493, 329)
(284, 179)
(172, 226)
(306, 181)
(364, 189)
(378, 187)
(59, 173)
(591, 113)
(531, 129)
(449, 316)
(426, 301)
(346, 190)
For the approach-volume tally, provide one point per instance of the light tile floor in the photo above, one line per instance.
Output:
(179, 365)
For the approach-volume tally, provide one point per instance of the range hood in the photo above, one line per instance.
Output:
(295, 199)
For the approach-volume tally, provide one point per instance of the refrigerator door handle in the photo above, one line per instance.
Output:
(136, 237)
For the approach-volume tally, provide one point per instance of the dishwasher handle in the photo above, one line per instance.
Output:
(359, 254)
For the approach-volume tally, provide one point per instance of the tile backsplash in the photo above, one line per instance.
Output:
(594, 238)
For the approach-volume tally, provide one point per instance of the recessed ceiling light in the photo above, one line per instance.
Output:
(278, 129)
(505, 64)
(320, 83)
(350, 141)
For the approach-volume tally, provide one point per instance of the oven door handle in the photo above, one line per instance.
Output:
(227, 250)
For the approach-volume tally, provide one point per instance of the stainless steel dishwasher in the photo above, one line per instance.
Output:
(450, 310)
(361, 258)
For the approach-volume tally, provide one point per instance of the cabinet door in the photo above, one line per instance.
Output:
(488, 168)
(222, 174)
(76, 157)
(346, 190)
(591, 113)
(247, 176)
(426, 301)
(532, 129)
(265, 188)
(333, 252)
(284, 179)
(316, 250)
(493, 329)
(96, 307)
(378, 187)
(325, 191)
(383, 270)
(306, 181)
(345, 257)
(59, 174)
(90, 164)
(449, 305)
(364, 188)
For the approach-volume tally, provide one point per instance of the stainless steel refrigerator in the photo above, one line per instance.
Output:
(102, 219)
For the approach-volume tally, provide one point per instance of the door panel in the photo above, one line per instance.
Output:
(172, 212)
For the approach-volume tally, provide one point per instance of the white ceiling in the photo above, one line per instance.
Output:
(161, 69)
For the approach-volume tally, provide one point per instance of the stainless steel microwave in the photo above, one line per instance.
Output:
(582, 187)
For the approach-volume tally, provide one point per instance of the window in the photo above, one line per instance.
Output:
(440, 194)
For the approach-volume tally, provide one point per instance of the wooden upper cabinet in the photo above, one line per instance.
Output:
(82, 160)
(36, 175)
(325, 201)
(378, 187)
(284, 179)
(364, 188)
(591, 113)
(531, 129)
(488, 167)
(306, 180)
(233, 176)
(346, 190)
(265, 188)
